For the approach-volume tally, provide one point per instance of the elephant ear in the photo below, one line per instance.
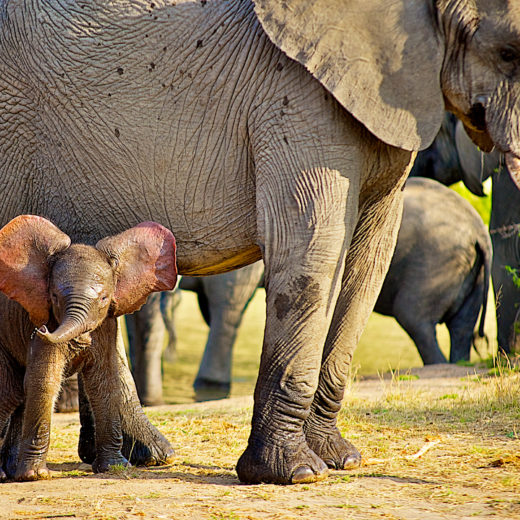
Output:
(145, 262)
(26, 243)
(380, 60)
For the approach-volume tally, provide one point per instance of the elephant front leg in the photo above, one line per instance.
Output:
(366, 265)
(101, 382)
(143, 444)
(43, 376)
(305, 236)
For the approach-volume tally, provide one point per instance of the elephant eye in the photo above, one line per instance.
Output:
(508, 54)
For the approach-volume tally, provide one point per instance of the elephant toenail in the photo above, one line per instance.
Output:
(304, 475)
(352, 461)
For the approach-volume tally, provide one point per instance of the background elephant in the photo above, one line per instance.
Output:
(274, 130)
(453, 157)
(152, 336)
(504, 228)
(439, 272)
(72, 294)
(223, 299)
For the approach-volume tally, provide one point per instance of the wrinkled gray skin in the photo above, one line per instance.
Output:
(440, 270)
(294, 151)
(72, 294)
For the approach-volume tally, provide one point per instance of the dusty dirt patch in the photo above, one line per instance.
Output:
(435, 447)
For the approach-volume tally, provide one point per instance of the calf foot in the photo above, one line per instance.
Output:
(289, 463)
(157, 451)
(333, 449)
(26, 472)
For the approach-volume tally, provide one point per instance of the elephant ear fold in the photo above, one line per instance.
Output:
(26, 243)
(145, 262)
(380, 60)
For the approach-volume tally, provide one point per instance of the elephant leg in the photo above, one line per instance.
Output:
(228, 295)
(462, 325)
(43, 376)
(367, 261)
(424, 336)
(507, 299)
(146, 338)
(143, 444)
(11, 443)
(305, 226)
(169, 302)
(100, 377)
(11, 398)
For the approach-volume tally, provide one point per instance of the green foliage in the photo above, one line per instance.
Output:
(514, 274)
(481, 204)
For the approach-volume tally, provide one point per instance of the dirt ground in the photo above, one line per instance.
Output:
(423, 468)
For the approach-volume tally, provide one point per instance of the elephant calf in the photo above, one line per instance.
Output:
(440, 270)
(63, 320)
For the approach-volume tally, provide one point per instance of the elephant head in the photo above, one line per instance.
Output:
(395, 66)
(73, 288)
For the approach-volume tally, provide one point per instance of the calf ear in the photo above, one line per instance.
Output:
(145, 263)
(26, 243)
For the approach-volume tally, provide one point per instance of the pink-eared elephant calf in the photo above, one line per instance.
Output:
(58, 316)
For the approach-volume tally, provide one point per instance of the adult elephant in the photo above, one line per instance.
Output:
(279, 130)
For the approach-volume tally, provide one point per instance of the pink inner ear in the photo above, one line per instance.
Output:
(147, 263)
(26, 243)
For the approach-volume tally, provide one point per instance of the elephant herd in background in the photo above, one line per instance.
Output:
(439, 273)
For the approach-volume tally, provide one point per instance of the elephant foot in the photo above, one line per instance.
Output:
(27, 472)
(280, 464)
(206, 390)
(102, 464)
(3, 476)
(154, 451)
(157, 451)
(333, 449)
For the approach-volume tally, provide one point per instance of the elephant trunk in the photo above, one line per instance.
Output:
(74, 324)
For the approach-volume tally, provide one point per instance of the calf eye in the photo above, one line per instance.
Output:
(508, 54)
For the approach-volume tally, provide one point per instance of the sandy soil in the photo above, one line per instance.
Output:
(414, 480)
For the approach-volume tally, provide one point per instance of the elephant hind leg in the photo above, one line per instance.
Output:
(462, 325)
(366, 264)
(424, 335)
